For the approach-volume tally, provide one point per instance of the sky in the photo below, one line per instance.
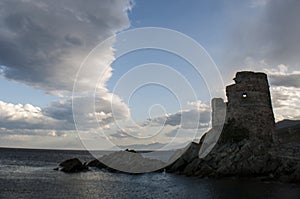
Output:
(63, 85)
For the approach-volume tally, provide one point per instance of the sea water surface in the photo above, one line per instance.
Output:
(26, 173)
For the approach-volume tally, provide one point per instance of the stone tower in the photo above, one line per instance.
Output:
(249, 105)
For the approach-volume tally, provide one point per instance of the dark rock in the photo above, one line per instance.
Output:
(72, 165)
(192, 167)
(96, 163)
(130, 162)
(205, 171)
(295, 177)
(131, 150)
(245, 147)
(190, 154)
(177, 166)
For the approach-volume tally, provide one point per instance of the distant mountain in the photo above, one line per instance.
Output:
(287, 123)
(156, 145)
(153, 146)
(288, 131)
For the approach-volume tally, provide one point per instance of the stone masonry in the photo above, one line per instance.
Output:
(248, 105)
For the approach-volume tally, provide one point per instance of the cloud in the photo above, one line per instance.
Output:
(18, 116)
(169, 137)
(120, 134)
(172, 130)
(199, 105)
(285, 92)
(183, 133)
(59, 115)
(286, 102)
(266, 39)
(181, 127)
(88, 112)
(260, 35)
(28, 126)
(42, 43)
(281, 77)
(268, 32)
(38, 139)
(187, 119)
(290, 80)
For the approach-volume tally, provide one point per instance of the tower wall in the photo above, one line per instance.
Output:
(218, 112)
(249, 104)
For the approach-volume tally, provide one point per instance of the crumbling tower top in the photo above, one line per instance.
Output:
(249, 104)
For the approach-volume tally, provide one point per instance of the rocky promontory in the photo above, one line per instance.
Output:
(243, 142)
(248, 145)
(242, 159)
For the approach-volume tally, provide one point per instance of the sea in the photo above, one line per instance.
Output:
(28, 173)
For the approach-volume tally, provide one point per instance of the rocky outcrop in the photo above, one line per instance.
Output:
(287, 132)
(97, 163)
(191, 153)
(131, 150)
(119, 161)
(245, 147)
(131, 162)
(72, 165)
(240, 159)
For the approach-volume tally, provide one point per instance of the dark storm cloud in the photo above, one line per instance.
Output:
(270, 32)
(43, 42)
(188, 119)
(289, 80)
(283, 31)
(61, 110)
(73, 40)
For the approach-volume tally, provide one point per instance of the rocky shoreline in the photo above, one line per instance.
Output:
(243, 159)
(128, 161)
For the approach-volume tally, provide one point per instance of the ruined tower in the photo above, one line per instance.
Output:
(249, 104)
(218, 112)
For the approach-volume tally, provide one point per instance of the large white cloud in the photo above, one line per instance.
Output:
(18, 116)
(285, 90)
(42, 44)
(286, 102)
